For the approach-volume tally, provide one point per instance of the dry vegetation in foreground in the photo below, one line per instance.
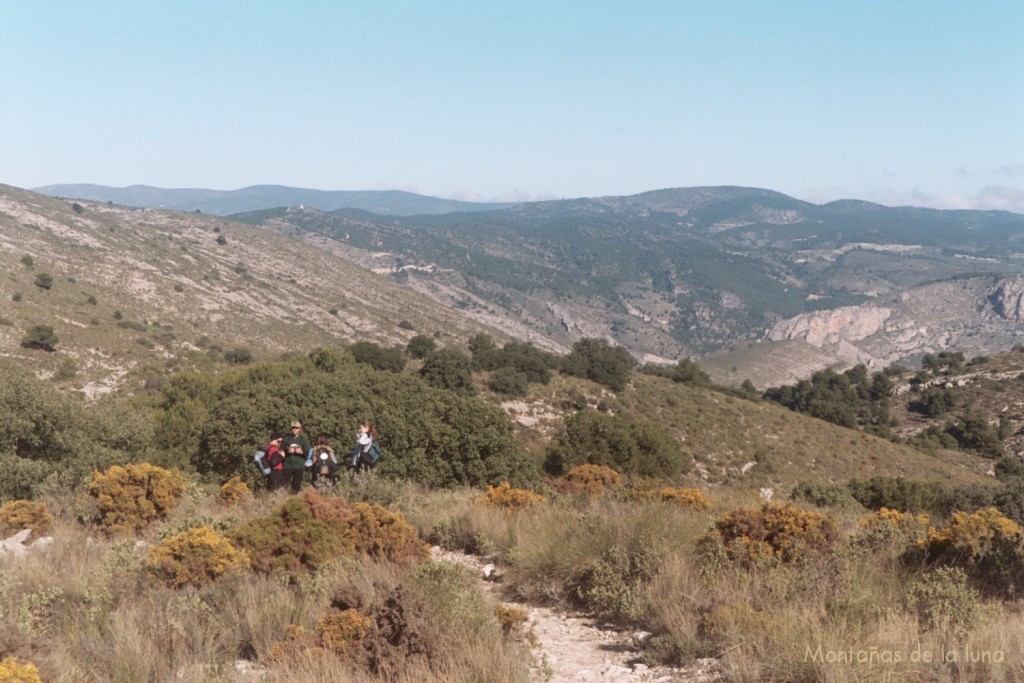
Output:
(337, 586)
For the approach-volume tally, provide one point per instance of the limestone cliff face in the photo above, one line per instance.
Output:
(835, 327)
(1007, 298)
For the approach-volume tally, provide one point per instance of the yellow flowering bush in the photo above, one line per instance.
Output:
(16, 515)
(775, 533)
(13, 671)
(376, 531)
(132, 496)
(986, 544)
(339, 631)
(887, 527)
(587, 479)
(508, 498)
(233, 491)
(194, 557)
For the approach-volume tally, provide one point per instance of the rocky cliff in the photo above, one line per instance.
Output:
(1007, 298)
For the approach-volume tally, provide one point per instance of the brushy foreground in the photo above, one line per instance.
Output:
(337, 586)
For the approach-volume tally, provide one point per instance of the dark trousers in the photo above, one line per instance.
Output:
(275, 480)
(295, 478)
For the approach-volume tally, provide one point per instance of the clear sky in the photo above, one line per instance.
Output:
(894, 101)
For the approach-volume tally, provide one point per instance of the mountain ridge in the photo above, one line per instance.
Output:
(255, 197)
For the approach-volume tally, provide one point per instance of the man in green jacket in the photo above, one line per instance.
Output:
(295, 447)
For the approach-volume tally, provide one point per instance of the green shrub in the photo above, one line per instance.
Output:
(44, 281)
(941, 599)
(40, 337)
(688, 372)
(508, 381)
(390, 360)
(641, 448)
(27, 260)
(596, 360)
(823, 495)
(973, 432)
(432, 436)
(238, 356)
(420, 346)
(449, 369)
(613, 585)
(896, 493)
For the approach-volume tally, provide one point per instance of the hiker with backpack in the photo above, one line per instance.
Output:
(366, 452)
(273, 460)
(296, 448)
(322, 462)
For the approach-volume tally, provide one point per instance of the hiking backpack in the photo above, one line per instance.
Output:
(371, 456)
(260, 458)
(323, 460)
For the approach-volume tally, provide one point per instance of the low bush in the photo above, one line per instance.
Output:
(375, 531)
(613, 586)
(17, 515)
(638, 448)
(234, 491)
(588, 480)
(302, 535)
(688, 499)
(897, 493)
(195, 557)
(132, 496)
(823, 495)
(985, 544)
(509, 499)
(941, 599)
(13, 671)
(775, 533)
(342, 631)
(891, 528)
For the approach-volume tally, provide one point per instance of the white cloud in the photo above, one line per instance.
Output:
(1011, 170)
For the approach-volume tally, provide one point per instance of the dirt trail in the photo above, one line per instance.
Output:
(572, 648)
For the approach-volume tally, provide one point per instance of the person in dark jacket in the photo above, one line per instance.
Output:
(295, 447)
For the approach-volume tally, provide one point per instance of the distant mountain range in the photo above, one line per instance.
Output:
(754, 283)
(224, 202)
(700, 271)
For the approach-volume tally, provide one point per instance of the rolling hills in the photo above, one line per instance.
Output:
(134, 293)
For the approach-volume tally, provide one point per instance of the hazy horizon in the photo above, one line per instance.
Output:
(897, 104)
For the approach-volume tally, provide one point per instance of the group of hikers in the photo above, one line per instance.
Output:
(285, 459)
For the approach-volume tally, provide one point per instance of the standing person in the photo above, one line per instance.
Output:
(366, 453)
(295, 447)
(322, 462)
(275, 461)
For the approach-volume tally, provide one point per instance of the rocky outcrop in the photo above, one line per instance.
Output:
(1007, 298)
(834, 327)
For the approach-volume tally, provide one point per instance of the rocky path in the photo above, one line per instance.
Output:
(572, 648)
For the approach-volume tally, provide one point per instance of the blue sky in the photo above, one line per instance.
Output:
(899, 102)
